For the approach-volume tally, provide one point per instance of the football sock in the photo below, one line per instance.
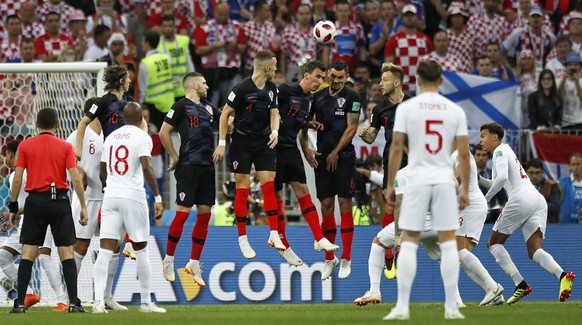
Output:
(101, 266)
(545, 260)
(78, 260)
(53, 276)
(70, 275)
(310, 214)
(270, 204)
(473, 276)
(389, 254)
(7, 265)
(449, 272)
(347, 233)
(24, 273)
(388, 219)
(175, 231)
(504, 261)
(144, 274)
(241, 210)
(471, 262)
(375, 265)
(111, 272)
(329, 230)
(199, 233)
(406, 274)
(282, 224)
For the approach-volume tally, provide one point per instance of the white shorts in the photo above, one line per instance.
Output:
(439, 199)
(120, 216)
(471, 220)
(429, 240)
(91, 229)
(526, 210)
(13, 241)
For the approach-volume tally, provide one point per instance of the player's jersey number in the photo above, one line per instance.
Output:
(429, 130)
(118, 160)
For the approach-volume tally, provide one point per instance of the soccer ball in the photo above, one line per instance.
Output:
(324, 32)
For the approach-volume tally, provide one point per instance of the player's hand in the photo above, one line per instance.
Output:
(363, 133)
(78, 153)
(5, 216)
(83, 217)
(390, 196)
(14, 220)
(332, 159)
(173, 164)
(4, 228)
(158, 210)
(273, 139)
(315, 125)
(218, 154)
(310, 156)
(463, 200)
(397, 241)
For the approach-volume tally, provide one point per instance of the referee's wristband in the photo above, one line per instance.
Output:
(222, 143)
(13, 207)
(158, 199)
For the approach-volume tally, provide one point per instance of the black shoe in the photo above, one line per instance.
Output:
(18, 310)
(76, 309)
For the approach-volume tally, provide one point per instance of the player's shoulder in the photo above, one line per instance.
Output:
(271, 85)
(503, 150)
(321, 93)
(350, 93)
(288, 87)
(73, 136)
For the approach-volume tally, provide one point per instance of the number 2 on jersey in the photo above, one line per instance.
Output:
(121, 154)
(430, 131)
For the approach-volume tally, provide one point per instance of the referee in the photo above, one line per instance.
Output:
(47, 159)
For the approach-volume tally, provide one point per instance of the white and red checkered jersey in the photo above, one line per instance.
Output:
(406, 50)
(7, 8)
(557, 67)
(296, 44)
(522, 21)
(63, 9)
(154, 7)
(9, 50)
(33, 30)
(45, 45)
(213, 32)
(487, 30)
(128, 6)
(258, 38)
(576, 47)
(462, 46)
(92, 21)
(349, 38)
(524, 39)
(448, 63)
(77, 43)
(475, 7)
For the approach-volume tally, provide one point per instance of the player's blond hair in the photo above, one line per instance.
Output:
(394, 69)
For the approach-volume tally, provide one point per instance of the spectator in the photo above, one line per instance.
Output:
(570, 90)
(487, 27)
(135, 13)
(496, 204)
(281, 13)
(370, 19)
(279, 78)
(562, 48)
(381, 32)
(169, 8)
(367, 118)
(298, 46)
(259, 34)
(350, 42)
(575, 35)
(30, 27)
(106, 15)
(10, 46)
(571, 208)
(321, 12)
(441, 54)
(523, 20)
(499, 70)
(545, 105)
(483, 67)
(77, 26)
(550, 189)
(60, 7)
(27, 51)
(219, 43)
(117, 55)
(407, 47)
(374, 93)
(99, 48)
(436, 15)
(461, 41)
(50, 45)
(525, 72)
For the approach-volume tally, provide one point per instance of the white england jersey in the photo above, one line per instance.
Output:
(505, 162)
(22, 195)
(474, 191)
(91, 157)
(431, 123)
(121, 152)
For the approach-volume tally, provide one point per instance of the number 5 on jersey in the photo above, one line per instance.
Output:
(429, 130)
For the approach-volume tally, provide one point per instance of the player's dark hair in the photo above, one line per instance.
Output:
(478, 147)
(114, 76)
(168, 18)
(12, 146)
(429, 71)
(152, 38)
(493, 43)
(534, 163)
(47, 118)
(339, 65)
(263, 58)
(482, 57)
(394, 69)
(89, 103)
(101, 30)
(310, 66)
(189, 75)
(132, 114)
(11, 17)
(374, 159)
(494, 128)
(52, 13)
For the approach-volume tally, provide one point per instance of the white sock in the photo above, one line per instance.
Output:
(54, 277)
(169, 258)
(8, 266)
(504, 260)
(195, 262)
(375, 266)
(78, 260)
(111, 272)
(546, 261)
(406, 274)
(144, 274)
(274, 233)
(471, 262)
(474, 276)
(101, 265)
(450, 272)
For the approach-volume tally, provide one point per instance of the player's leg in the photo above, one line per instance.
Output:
(281, 176)
(241, 211)
(52, 272)
(10, 248)
(389, 261)
(85, 233)
(110, 302)
(344, 182)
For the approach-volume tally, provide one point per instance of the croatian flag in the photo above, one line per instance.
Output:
(555, 151)
(485, 100)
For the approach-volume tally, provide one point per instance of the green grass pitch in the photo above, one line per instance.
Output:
(528, 313)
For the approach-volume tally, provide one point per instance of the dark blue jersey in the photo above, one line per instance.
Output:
(383, 116)
(194, 122)
(253, 107)
(109, 110)
(294, 106)
(332, 112)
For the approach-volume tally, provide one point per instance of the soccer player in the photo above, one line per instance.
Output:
(126, 158)
(253, 102)
(337, 108)
(294, 105)
(526, 209)
(89, 167)
(431, 124)
(471, 220)
(383, 116)
(193, 168)
(46, 160)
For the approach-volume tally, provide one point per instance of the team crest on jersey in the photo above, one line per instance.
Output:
(271, 95)
(341, 101)
(211, 112)
(182, 196)
(235, 164)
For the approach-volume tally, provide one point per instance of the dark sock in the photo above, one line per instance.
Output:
(24, 273)
(70, 275)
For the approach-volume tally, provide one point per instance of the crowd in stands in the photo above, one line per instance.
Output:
(537, 43)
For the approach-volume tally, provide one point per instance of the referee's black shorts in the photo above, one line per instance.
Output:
(195, 185)
(40, 211)
(246, 150)
(289, 167)
(341, 181)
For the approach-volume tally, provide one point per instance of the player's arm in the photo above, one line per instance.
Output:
(397, 205)
(227, 112)
(103, 174)
(150, 177)
(501, 166)
(14, 192)
(346, 139)
(275, 123)
(85, 121)
(368, 134)
(80, 192)
(166, 138)
(394, 161)
(462, 142)
(309, 153)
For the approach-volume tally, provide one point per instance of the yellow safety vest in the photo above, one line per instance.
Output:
(177, 52)
(159, 91)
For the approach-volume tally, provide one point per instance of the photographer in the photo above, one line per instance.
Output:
(570, 90)
(369, 188)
